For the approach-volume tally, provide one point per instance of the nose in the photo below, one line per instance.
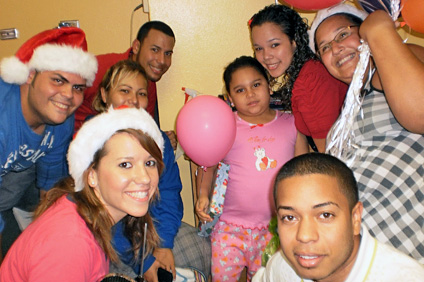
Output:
(132, 100)
(307, 231)
(67, 91)
(160, 58)
(267, 54)
(336, 47)
(141, 176)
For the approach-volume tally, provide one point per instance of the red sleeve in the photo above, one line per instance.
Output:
(317, 99)
(104, 61)
(68, 258)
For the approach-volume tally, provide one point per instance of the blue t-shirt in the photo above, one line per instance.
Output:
(21, 148)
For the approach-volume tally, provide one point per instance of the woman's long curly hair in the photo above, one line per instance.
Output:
(296, 29)
(95, 214)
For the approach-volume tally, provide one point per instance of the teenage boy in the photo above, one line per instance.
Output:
(40, 89)
(321, 235)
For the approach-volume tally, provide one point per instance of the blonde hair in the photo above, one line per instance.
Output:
(117, 72)
(95, 214)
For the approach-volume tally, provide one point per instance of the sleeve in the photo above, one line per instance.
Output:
(168, 210)
(53, 166)
(317, 100)
(1, 224)
(48, 262)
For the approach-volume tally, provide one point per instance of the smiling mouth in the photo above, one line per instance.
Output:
(156, 70)
(60, 105)
(139, 195)
(272, 66)
(345, 59)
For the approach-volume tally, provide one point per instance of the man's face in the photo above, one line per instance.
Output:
(52, 96)
(155, 53)
(319, 235)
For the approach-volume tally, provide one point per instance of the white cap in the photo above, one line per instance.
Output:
(328, 12)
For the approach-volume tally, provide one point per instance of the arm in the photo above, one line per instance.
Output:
(400, 70)
(204, 182)
(168, 210)
(301, 147)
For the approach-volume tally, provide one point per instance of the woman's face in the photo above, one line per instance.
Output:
(273, 48)
(130, 91)
(126, 178)
(341, 59)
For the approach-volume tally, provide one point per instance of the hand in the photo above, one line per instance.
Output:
(151, 275)
(173, 138)
(376, 23)
(202, 206)
(166, 257)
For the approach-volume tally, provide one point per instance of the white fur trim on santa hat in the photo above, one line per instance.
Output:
(95, 132)
(328, 12)
(12, 70)
(51, 57)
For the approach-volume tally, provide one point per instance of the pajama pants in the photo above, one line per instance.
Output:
(235, 247)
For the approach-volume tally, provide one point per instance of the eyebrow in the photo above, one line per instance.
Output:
(336, 31)
(67, 81)
(313, 207)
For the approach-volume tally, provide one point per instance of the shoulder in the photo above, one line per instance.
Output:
(277, 269)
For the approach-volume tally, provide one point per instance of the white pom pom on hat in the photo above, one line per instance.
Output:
(59, 49)
(95, 132)
(328, 12)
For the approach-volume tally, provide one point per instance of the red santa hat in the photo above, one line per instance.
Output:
(59, 49)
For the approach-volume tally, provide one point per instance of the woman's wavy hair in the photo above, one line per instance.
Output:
(296, 29)
(95, 214)
(117, 72)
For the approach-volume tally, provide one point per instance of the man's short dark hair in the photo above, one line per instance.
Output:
(158, 25)
(318, 163)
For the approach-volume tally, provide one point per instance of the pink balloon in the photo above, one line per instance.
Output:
(312, 5)
(206, 129)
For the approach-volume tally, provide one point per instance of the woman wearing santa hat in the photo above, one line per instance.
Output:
(115, 161)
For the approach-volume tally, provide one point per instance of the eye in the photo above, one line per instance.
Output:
(125, 165)
(239, 90)
(257, 84)
(287, 218)
(325, 48)
(326, 216)
(79, 88)
(124, 91)
(257, 49)
(155, 50)
(275, 45)
(342, 35)
(151, 163)
(169, 53)
(143, 94)
(57, 81)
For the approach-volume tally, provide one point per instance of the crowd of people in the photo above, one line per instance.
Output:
(81, 147)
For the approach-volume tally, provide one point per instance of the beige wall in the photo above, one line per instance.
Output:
(209, 35)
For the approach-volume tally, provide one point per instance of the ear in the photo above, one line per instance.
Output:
(92, 178)
(103, 93)
(31, 77)
(357, 218)
(136, 47)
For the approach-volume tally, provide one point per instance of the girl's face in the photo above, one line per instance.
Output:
(250, 93)
(273, 48)
(126, 178)
(130, 91)
(341, 59)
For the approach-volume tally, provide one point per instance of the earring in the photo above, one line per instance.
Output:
(232, 105)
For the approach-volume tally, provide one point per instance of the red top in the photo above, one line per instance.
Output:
(317, 99)
(105, 62)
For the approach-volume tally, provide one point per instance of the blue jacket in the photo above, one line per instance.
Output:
(167, 212)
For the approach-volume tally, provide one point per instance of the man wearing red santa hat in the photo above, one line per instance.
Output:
(40, 89)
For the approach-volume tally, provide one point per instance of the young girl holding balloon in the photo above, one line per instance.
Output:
(280, 41)
(265, 140)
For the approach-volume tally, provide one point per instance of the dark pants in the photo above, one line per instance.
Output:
(18, 190)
